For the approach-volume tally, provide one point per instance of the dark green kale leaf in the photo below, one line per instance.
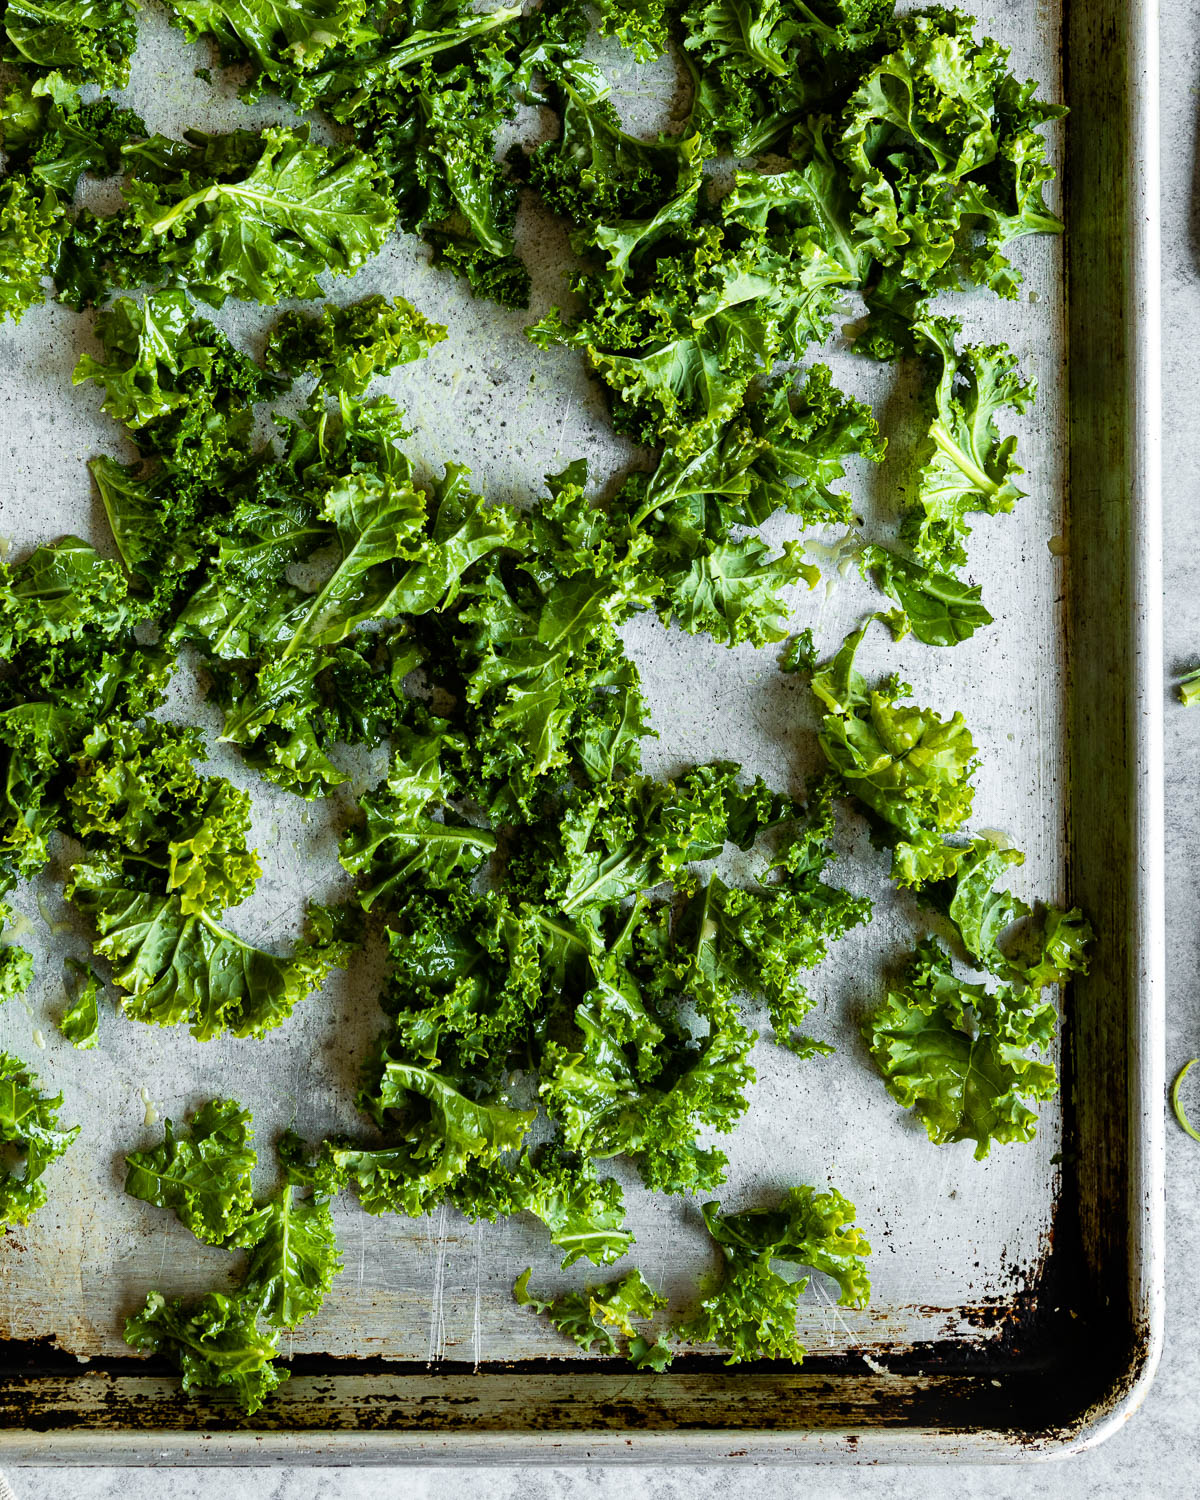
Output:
(426, 91)
(346, 347)
(281, 40)
(761, 938)
(215, 1342)
(1049, 945)
(203, 1176)
(29, 1122)
(752, 1312)
(763, 67)
(137, 795)
(48, 133)
(799, 653)
(400, 840)
(693, 302)
(967, 466)
(178, 967)
(176, 382)
(293, 1252)
(253, 215)
(959, 1055)
(67, 631)
(445, 1130)
(589, 1316)
(83, 41)
(16, 964)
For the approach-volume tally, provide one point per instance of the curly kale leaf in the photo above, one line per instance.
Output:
(938, 608)
(346, 347)
(281, 40)
(426, 93)
(907, 765)
(690, 307)
(137, 794)
(253, 215)
(444, 1131)
(401, 841)
(29, 1122)
(215, 1342)
(584, 1213)
(589, 1316)
(67, 632)
(959, 1055)
(56, 139)
(762, 938)
(293, 1252)
(943, 152)
(181, 967)
(16, 964)
(204, 1176)
(642, 25)
(967, 466)
(80, 1022)
(84, 41)
(177, 383)
(32, 223)
(785, 450)
(764, 66)
(1049, 945)
(752, 1312)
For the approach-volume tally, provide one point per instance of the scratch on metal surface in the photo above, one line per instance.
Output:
(562, 429)
(828, 1305)
(437, 1321)
(478, 1329)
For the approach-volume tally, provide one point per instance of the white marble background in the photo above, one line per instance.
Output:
(1158, 1453)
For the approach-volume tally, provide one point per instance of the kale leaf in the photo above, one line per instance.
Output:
(752, 1312)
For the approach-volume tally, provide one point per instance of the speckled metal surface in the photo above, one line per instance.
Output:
(955, 1239)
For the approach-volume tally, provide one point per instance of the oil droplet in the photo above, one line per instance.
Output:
(19, 926)
(55, 927)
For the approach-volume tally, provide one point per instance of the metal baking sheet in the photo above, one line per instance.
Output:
(1017, 1302)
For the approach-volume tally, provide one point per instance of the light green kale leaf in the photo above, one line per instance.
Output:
(589, 1316)
(29, 1122)
(966, 465)
(907, 765)
(80, 1022)
(752, 1312)
(215, 1342)
(204, 1175)
(959, 1055)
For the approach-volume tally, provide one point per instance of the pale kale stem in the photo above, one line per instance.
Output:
(607, 870)
(185, 206)
(959, 459)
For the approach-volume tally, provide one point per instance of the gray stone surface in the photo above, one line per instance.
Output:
(1158, 1452)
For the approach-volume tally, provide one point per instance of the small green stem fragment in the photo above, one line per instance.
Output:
(1189, 689)
(1176, 1102)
